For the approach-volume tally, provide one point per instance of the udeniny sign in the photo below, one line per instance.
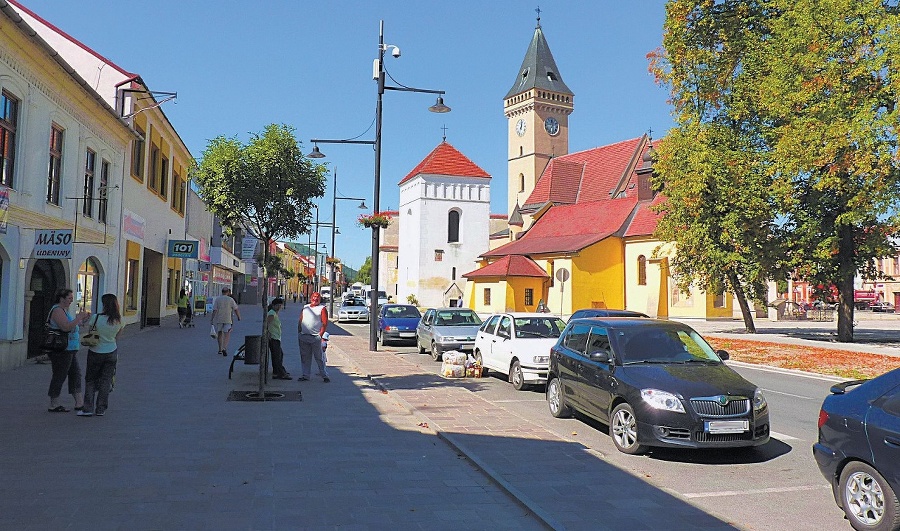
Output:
(53, 244)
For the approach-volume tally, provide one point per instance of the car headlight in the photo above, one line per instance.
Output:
(759, 400)
(541, 359)
(662, 400)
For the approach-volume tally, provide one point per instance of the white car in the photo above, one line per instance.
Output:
(518, 345)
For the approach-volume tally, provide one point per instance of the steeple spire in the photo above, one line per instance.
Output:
(538, 69)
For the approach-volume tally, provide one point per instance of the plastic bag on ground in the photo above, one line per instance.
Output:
(451, 370)
(455, 357)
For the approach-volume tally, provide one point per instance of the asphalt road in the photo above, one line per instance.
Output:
(777, 486)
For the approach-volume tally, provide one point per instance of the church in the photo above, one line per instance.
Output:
(578, 232)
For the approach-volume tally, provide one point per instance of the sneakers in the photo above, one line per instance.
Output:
(100, 412)
(84, 413)
(326, 379)
(302, 379)
(223, 353)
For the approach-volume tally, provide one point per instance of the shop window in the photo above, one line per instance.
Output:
(55, 170)
(642, 270)
(9, 118)
(131, 285)
(87, 285)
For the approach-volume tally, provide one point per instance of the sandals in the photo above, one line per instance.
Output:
(57, 409)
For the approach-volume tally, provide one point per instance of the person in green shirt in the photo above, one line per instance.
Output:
(273, 323)
(184, 308)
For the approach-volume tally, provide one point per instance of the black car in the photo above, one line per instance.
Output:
(858, 450)
(655, 383)
(605, 312)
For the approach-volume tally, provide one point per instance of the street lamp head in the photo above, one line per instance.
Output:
(316, 154)
(362, 206)
(439, 106)
(337, 230)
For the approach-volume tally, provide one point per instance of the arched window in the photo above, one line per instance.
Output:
(521, 151)
(642, 270)
(521, 182)
(453, 226)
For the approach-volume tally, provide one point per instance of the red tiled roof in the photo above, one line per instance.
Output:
(498, 216)
(645, 220)
(509, 266)
(570, 228)
(446, 160)
(585, 176)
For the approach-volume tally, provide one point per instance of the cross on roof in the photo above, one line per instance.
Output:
(444, 127)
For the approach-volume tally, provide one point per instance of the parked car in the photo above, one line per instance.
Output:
(353, 310)
(605, 312)
(884, 307)
(858, 448)
(444, 329)
(397, 322)
(655, 383)
(518, 345)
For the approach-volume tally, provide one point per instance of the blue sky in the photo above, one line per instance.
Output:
(238, 66)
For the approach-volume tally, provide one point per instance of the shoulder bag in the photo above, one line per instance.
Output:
(91, 338)
(55, 340)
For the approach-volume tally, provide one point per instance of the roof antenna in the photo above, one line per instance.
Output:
(538, 10)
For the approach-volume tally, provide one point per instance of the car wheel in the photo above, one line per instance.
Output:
(421, 348)
(624, 431)
(484, 370)
(556, 400)
(435, 353)
(867, 499)
(516, 378)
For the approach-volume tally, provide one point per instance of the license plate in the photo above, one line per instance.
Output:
(727, 426)
(467, 346)
(407, 334)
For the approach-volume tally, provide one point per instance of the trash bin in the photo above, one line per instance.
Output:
(251, 350)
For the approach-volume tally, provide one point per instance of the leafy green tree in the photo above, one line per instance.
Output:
(718, 209)
(265, 185)
(365, 271)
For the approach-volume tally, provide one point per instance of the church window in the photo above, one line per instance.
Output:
(529, 297)
(521, 151)
(453, 274)
(642, 270)
(487, 296)
(521, 182)
(453, 226)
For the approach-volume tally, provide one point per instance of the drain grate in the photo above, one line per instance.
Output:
(269, 396)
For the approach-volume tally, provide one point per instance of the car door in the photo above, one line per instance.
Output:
(597, 374)
(501, 345)
(423, 330)
(569, 358)
(485, 337)
(883, 430)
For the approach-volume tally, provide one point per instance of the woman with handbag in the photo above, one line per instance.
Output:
(102, 356)
(65, 361)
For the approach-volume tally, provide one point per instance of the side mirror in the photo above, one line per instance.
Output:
(723, 354)
(601, 355)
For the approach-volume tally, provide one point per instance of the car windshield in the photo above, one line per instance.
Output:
(353, 302)
(539, 326)
(456, 318)
(401, 312)
(662, 345)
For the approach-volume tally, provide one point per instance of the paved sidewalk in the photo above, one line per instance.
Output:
(367, 451)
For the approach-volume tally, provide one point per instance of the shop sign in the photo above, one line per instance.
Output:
(4, 209)
(53, 244)
(183, 248)
(133, 225)
(248, 247)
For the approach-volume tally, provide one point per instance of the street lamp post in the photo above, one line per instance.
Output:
(438, 107)
(334, 231)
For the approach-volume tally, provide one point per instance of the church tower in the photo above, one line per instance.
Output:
(537, 109)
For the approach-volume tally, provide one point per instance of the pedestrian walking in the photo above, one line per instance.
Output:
(311, 329)
(64, 363)
(102, 358)
(224, 310)
(273, 323)
(184, 308)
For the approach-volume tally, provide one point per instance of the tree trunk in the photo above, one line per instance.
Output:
(749, 325)
(263, 339)
(846, 273)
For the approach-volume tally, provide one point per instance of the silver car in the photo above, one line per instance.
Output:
(353, 310)
(445, 329)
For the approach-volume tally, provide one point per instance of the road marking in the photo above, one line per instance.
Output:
(771, 490)
(782, 437)
(516, 401)
(793, 372)
(817, 398)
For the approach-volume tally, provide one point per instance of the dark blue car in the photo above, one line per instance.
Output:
(398, 322)
(859, 450)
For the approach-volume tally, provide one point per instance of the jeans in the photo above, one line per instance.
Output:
(98, 379)
(277, 357)
(65, 365)
(311, 347)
